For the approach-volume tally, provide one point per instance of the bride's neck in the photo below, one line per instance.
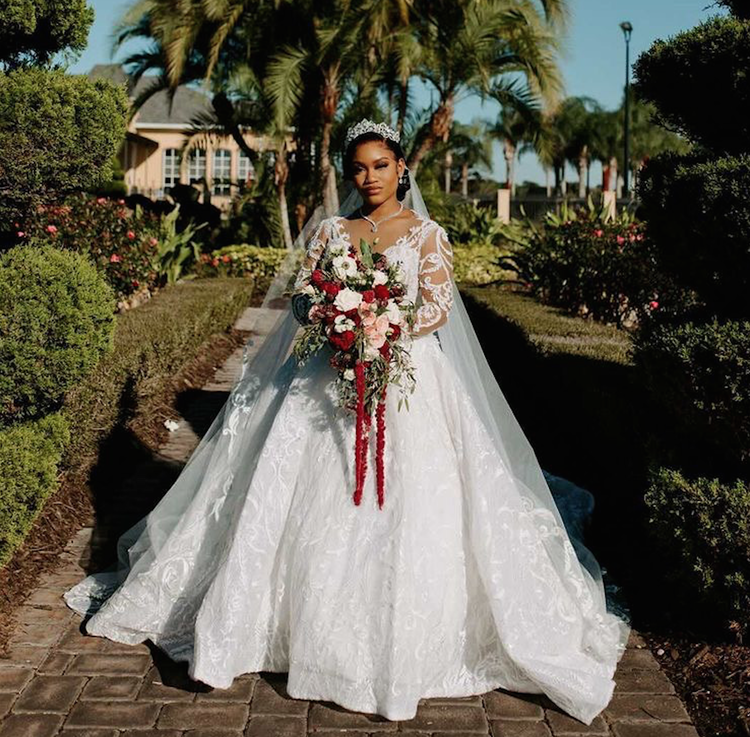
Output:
(389, 207)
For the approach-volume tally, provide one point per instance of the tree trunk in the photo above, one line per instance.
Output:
(583, 165)
(329, 105)
(547, 184)
(281, 173)
(438, 128)
(447, 170)
(465, 179)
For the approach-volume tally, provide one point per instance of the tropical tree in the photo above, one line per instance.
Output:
(471, 47)
(471, 146)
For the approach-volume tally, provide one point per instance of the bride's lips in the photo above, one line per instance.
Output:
(372, 190)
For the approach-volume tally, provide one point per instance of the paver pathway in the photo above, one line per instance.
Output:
(59, 681)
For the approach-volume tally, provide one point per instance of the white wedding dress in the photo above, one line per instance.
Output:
(448, 590)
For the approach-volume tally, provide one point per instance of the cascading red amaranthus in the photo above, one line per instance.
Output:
(362, 441)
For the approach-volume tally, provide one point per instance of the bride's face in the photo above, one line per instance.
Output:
(376, 172)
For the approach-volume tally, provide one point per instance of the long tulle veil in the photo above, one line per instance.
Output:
(224, 461)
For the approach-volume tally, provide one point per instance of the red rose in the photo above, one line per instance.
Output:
(368, 295)
(317, 277)
(343, 341)
(385, 350)
(331, 288)
(382, 291)
(396, 331)
(353, 313)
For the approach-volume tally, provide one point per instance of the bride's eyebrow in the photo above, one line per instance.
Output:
(377, 161)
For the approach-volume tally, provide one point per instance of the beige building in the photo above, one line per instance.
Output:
(163, 148)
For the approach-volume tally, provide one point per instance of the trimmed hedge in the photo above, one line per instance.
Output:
(151, 344)
(29, 457)
(56, 321)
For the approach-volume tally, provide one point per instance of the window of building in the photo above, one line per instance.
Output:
(222, 171)
(245, 169)
(196, 166)
(171, 169)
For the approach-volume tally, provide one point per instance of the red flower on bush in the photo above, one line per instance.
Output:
(52, 229)
(114, 258)
(342, 341)
(598, 232)
(131, 235)
(226, 258)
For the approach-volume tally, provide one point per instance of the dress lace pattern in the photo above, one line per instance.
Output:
(447, 591)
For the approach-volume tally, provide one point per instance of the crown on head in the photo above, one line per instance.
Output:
(368, 126)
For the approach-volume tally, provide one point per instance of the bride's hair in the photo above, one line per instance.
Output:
(398, 152)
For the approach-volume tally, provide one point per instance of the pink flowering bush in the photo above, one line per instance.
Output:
(122, 243)
(588, 265)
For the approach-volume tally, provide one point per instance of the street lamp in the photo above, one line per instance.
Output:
(627, 29)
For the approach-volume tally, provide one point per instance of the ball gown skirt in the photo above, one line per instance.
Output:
(448, 590)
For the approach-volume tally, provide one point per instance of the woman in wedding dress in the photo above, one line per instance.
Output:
(466, 580)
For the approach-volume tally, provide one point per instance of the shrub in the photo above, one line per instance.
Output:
(256, 262)
(713, 57)
(699, 221)
(586, 264)
(702, 527)
(29, 456)
(56, 321)
(699, 375)
(123, 244)
(58, 134)
(477, 264)
(468, 224)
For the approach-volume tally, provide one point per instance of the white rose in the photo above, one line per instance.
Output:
(399, 276)
(349, 374)
(344, 267)
(379, 277)
(393, 311)
(336, 249)
(347, 299)
(342, 323)
(308, 289)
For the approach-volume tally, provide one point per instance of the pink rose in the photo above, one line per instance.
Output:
(52, 229)
(20, 234)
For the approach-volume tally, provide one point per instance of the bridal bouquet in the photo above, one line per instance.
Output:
(354, 305)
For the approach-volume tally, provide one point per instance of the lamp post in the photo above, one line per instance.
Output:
(627, 29)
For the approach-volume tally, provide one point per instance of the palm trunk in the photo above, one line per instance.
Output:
(583, 165)
(439, 128)
(447, 170)
(329, 105)
(465, 179)
(281, 173)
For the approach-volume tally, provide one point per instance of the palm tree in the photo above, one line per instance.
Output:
(511, 129)
(472, 146)
(469, 47)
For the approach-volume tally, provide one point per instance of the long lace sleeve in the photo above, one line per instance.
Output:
(313, 251)
(435, 283)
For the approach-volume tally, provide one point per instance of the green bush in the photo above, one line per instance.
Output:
(699, 220)
(698, 81)
(477, 264)
(58, 134)
(702, 527)
(56, 321)
(699, 375)
(151, 344)
(588, 265)
(29, 456)
(123, 244)
(256, 262)
(468, 224)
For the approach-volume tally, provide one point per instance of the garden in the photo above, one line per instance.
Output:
(622, 342)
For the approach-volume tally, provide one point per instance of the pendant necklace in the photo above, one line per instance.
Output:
(382, 220)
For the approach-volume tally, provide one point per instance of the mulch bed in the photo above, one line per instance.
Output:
(71, 508)
(711, 678)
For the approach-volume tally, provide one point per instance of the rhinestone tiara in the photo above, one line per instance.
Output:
(368, 126)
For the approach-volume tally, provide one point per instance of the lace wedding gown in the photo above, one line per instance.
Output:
(448, 590)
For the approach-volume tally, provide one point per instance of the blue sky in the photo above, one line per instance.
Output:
(593, 61)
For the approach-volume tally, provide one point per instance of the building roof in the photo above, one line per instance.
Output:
(186, 105)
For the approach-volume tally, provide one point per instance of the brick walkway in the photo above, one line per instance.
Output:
(59, 681)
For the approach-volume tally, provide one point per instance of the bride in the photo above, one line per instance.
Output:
(467, 579)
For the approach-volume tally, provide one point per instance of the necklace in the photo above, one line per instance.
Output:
(382, 220)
